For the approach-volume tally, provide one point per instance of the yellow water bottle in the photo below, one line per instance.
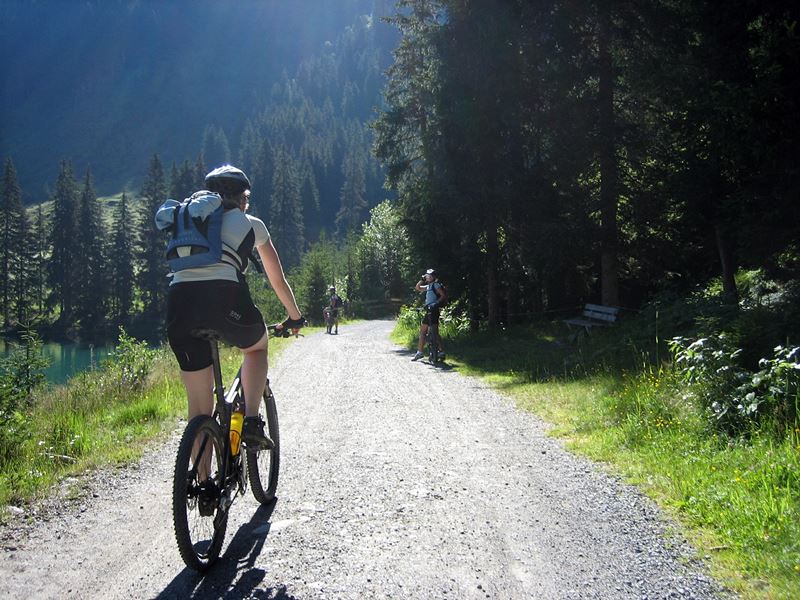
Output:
(237, 418)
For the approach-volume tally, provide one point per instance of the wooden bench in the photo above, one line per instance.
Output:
(594, 315)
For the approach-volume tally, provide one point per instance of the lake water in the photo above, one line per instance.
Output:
(67, 359)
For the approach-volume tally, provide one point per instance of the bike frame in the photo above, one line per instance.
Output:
(432, 333)
(432, 339)
(222, 414)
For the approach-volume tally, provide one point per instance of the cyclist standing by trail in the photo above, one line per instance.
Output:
(435, 297)
(334, 304)
(215, 296)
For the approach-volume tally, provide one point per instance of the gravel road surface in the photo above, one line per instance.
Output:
(398, 480)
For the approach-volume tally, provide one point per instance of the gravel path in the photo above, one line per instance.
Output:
(398, 480)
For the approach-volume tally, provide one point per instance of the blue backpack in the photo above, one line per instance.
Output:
(196, 226)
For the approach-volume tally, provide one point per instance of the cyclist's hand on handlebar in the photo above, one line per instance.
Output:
(294, 324)
(288, 327)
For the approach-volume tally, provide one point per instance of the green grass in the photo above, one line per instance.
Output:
(94, 422)
(737, 500)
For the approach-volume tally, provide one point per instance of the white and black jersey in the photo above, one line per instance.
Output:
(240, 234)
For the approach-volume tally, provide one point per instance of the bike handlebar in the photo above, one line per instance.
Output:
(421, 309)
(277, 330)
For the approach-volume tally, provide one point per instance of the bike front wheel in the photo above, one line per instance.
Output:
(199, 520)
(262, 466)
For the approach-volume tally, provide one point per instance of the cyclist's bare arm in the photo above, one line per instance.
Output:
(421, 286)
(277, 278)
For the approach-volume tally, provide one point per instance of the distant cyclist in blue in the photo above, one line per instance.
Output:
(435, 297)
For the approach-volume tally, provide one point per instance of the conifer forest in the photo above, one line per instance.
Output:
(538, 154)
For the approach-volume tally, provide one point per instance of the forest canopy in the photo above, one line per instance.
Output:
(539, 154)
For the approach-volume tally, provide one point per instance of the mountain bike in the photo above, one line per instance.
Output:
(213, 467)
(431, 339)
(431, 344)
(327, 313)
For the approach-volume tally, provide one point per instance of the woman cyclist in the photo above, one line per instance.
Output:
(216, 297)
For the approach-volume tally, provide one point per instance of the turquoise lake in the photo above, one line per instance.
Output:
(67, 359)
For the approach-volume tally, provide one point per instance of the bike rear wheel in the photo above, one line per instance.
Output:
(199, 521)
(262, 467)
(433, 350)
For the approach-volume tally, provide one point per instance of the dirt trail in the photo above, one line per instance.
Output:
(398, 480)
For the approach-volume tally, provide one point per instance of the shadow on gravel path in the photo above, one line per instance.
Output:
(234, 576)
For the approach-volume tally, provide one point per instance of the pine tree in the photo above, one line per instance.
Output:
(24, 272)
(39, 243)
(173, 180)
(249, 148)
(152, 263)
(121, 260)
(183, 181)
(351, 196)
(216, 150)
(12, 222)
(262, 177)
(407, 126)
(199, 173)
(63, 265)
(92, 275)
(286, 217)
(309, 192)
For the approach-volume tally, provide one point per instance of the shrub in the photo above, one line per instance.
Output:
(451, 322)
(738, 399)
(777, 384)
(409, 317)
(14, 430)
(21, 372)
(130, 363)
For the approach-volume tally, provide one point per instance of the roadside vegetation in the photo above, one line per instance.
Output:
(99, 418)
(684, 399)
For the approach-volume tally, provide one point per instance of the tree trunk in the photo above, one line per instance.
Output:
(4, 275)
(474, 318)
(729, 291)
(722, 237)
(491, 272)
(609, 282)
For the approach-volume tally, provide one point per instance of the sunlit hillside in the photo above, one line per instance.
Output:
(173, 78)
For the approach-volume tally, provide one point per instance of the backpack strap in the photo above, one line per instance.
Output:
(175, 216)
(239, 263)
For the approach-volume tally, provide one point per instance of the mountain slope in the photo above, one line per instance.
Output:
(107, 84)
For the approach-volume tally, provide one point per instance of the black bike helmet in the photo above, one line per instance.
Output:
(227, 180)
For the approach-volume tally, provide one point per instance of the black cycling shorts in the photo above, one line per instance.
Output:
(431, 317)
(224, 306)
